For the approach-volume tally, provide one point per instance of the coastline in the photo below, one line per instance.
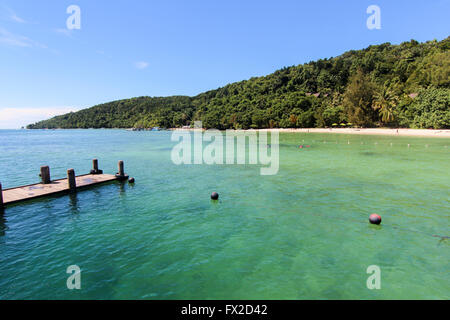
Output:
(440, 133)
(401, 132)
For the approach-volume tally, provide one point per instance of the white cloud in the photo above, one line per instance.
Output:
(14, 118)
(16, 18)
(9, 15)
(64, 31)
(141, 64)
(11, 39)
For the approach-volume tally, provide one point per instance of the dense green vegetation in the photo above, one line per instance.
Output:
(406, 85)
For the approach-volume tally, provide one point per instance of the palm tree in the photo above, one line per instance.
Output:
(385, 101)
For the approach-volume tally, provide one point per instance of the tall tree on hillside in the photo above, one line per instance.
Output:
(358, 98)
(385, 101)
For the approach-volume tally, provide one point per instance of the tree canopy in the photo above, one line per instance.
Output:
(405, 85)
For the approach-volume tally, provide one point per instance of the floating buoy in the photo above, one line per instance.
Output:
(214, 196)
(131, 180)
(375, 218)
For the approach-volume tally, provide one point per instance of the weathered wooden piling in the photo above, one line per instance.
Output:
(45, 175)
(121, 174)
(121, 169)
(1, 196)
(71, 180)
(95, 165)
(95, 169)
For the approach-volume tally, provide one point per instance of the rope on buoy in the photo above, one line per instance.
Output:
(391, 144)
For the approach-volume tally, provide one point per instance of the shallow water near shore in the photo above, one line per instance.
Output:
(300, 234)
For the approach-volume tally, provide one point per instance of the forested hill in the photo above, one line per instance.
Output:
(406, 85)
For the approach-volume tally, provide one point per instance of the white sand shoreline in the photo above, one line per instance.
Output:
(441, 133)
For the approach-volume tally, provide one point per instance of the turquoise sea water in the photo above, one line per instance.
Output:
(300, 234)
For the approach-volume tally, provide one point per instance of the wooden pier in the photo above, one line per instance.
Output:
(70, 184)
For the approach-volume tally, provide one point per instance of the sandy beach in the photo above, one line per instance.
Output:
(441, 133)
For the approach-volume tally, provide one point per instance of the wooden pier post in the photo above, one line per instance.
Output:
(95, 165)
(121, 169)
(95, 169)
(121, 174)
(71, 180)
(1, 196)
(45, 174)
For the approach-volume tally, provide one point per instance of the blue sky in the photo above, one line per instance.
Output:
(158, 48)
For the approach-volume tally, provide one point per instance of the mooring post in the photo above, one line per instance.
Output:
(71, 180)
(45, 174)
(121, 170)
(95, 169)
(121, 174)
(1, 196)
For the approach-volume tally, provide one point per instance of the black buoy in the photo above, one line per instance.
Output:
(214, 196)
(131, 180)
(375, 218)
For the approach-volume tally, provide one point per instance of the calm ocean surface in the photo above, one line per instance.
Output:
(300, 234)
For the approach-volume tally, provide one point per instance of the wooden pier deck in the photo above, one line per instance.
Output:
(52, 187)
(57, 186)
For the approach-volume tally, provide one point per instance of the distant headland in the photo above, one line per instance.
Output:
(394, 86)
